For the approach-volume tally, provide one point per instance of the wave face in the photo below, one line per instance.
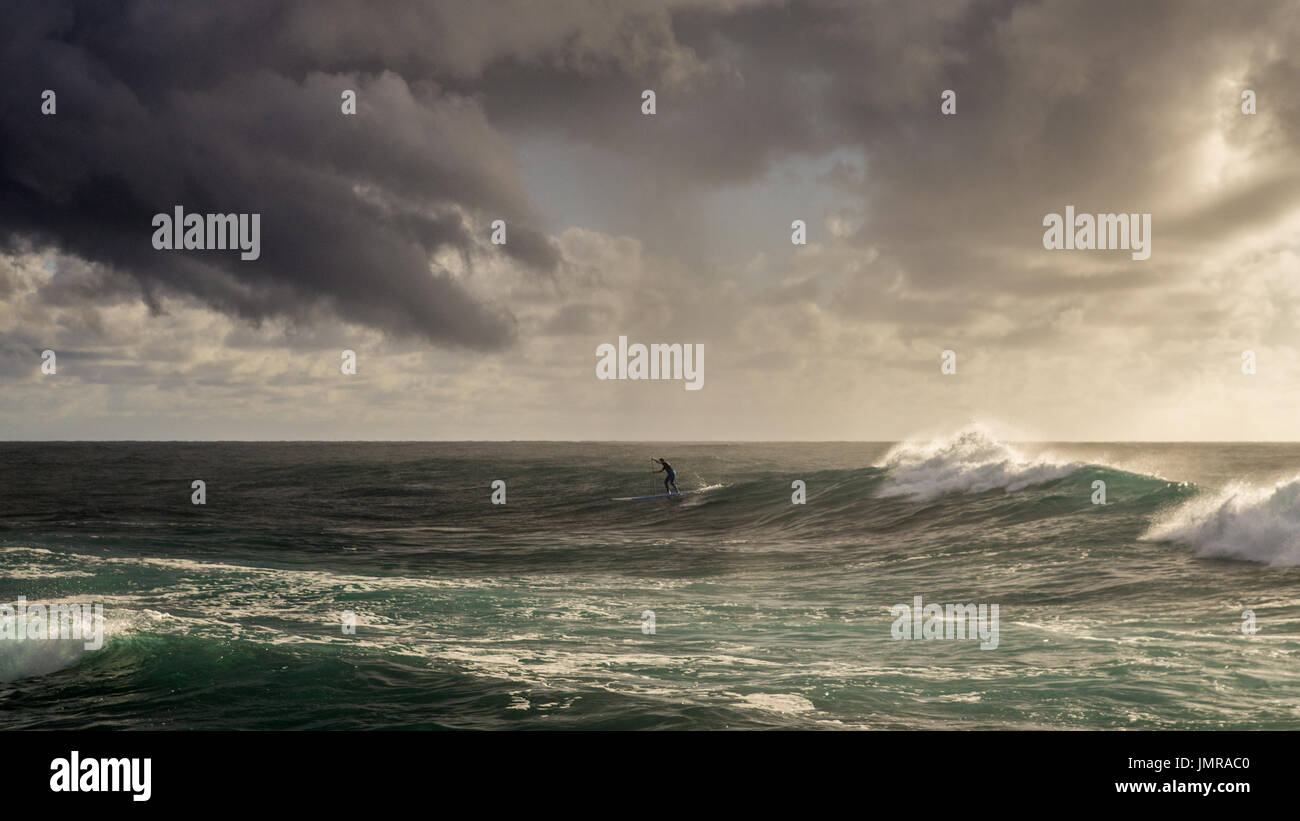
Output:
(769, 613)
(969, 462)
(1257, 523)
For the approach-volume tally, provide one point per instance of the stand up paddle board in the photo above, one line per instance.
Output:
(659, 496)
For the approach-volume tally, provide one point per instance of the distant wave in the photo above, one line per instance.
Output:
(1256, 523)
(970, 461)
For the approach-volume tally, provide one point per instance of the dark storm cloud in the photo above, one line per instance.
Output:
(235, 108)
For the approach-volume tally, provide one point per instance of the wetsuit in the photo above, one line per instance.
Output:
(671, 477)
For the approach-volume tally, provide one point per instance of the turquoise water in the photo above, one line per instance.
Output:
(767, 614)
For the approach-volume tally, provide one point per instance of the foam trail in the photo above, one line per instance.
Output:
(970, 461)
(1254, 523)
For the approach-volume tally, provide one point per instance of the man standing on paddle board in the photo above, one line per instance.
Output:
(671, 477)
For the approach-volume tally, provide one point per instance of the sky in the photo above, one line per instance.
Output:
(924, 228)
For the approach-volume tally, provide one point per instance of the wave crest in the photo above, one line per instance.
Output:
(970, 461)
(1254, 523)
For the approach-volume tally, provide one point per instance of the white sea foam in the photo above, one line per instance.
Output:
(778, 702)
(970, 461)
(1258, 523)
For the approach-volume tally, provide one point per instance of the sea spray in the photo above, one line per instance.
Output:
(1259, 523)
(971, 461)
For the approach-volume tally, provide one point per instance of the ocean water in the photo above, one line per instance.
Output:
(767, 614)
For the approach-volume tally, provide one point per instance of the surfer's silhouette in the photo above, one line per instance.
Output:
(671, 478)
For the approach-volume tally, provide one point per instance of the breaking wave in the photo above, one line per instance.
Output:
(1256, 523)
(970, 461)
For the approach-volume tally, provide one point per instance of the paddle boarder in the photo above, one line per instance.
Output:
(670, 478)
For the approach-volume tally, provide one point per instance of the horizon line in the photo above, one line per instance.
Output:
(642, 441)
